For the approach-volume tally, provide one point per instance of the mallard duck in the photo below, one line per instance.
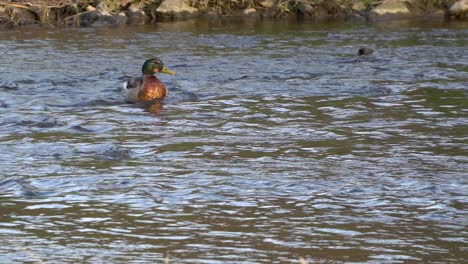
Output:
(148, 87)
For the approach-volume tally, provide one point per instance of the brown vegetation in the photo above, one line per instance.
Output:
(430, 6)
(87, 12)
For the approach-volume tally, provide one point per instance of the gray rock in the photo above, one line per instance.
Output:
(101, 15)
(305, 8)
(176, 9)
(459, 8)
(391, 9)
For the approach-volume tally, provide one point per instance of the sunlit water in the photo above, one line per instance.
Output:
(275, 142)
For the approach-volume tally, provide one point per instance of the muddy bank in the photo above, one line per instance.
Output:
(113, 12)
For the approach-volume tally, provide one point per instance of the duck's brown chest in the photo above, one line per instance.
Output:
(152, 89)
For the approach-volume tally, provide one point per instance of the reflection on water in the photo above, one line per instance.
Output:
(275, 142)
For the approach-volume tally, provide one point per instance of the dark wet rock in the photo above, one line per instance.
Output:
(9, 85)
(86, 18)
(365, 51)
(93, 15)
(100, 15)
(175, 9)
(121, 18)
(108, 19)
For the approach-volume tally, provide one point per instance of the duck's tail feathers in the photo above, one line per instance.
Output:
(124, 86)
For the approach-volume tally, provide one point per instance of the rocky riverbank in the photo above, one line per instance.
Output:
(113, 12)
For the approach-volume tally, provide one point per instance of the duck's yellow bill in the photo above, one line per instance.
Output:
(166, 70)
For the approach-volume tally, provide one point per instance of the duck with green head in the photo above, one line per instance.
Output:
(148, 87)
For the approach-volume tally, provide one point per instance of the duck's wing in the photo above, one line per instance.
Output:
(132, 82)
(131, 88)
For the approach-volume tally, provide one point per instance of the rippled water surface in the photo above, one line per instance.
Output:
(275, 142)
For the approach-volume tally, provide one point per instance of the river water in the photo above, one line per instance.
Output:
(275, 142)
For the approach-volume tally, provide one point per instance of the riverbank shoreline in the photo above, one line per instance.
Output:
(84, 13)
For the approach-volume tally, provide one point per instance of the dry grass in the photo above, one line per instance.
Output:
(334, 7)
(69, 12)
(280, 7)
(58, 14)
(12, 13)
(224, 6)
(369, 4)
(47, 12)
